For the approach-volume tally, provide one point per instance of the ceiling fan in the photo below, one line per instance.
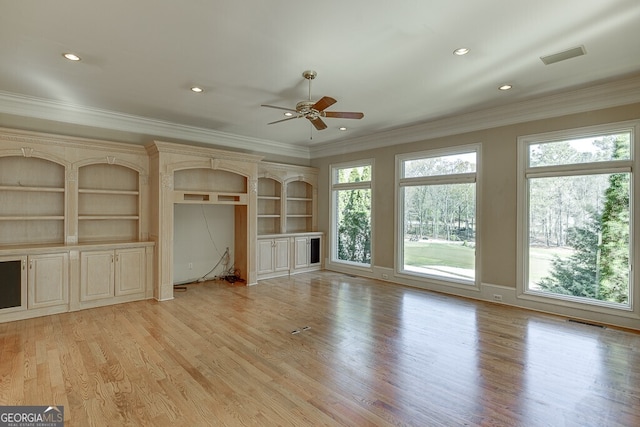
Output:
(314, 111)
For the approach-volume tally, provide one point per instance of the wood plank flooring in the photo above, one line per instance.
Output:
(365, 353)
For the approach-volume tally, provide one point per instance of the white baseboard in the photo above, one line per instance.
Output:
(498, 293)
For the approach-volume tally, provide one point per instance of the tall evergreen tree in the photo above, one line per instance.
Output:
(599, 267)
(614, 277)
(578, 274)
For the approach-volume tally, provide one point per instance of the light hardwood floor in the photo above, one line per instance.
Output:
(373, 354)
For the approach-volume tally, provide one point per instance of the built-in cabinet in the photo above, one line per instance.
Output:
(112, 273)
(62, 198)
(85, 223)
(287, 220)
(274, 256)
(307, 251)
(47, 280)
(37, 282)
(285, 254)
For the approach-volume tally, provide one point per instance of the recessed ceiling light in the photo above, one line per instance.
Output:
(505, 87)
(288, 114)
(197, 89)
(342, 128)
(461, 51)
(71, 56)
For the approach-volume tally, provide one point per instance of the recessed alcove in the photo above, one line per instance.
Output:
(202, 235)
(204, 222)
(184, 175)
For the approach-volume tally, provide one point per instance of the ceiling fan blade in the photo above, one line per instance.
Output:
(324, 102)
(279, 108)
(284, 120)
(317, 123)
(343, 114)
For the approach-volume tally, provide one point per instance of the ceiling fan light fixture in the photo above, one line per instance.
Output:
(461, 51)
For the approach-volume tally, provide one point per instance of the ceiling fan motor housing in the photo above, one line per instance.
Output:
(306, 109)
(309, 74)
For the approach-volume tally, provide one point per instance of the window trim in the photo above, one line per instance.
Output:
(332, 240)
(461, 178)
(525, 173)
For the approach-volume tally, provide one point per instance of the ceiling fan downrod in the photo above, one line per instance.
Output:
(309, 75)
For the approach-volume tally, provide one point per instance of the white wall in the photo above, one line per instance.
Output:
(193, 244)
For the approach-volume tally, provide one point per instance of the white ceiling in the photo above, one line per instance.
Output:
(391, 60)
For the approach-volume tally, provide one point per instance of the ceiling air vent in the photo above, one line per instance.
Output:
(562, 56)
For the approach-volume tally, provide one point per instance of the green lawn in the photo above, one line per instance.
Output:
(540, 261)
(449, 254)
(429, 253)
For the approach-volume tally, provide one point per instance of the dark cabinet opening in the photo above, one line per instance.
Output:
(10, 284)
(315, 250)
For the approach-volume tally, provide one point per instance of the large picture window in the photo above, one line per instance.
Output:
(437, 208)
(576, 216)
(351, 213)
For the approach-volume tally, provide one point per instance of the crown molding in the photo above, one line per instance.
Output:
(67, 113)
(606, 95)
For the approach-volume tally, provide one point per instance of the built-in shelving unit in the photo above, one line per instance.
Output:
(32, 201)
(286, 199)
(269, 206)
(108, 203)
(299, 207)
(85, 223)
(62, 198)
(288, 240)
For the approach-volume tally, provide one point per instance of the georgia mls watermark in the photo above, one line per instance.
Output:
(31, 416)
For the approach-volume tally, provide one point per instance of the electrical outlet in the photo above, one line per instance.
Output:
(497, 297)
(190, 266)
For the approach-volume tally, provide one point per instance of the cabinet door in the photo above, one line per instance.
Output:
(48, 280)
(265, 256)
(301, 255)
(96, 275)
(281, 254)
(130, 271)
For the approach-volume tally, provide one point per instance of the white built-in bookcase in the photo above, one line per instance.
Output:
(64, 200)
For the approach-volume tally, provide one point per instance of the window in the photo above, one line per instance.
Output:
(437, 208)
(351, 213)
(576, 216)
